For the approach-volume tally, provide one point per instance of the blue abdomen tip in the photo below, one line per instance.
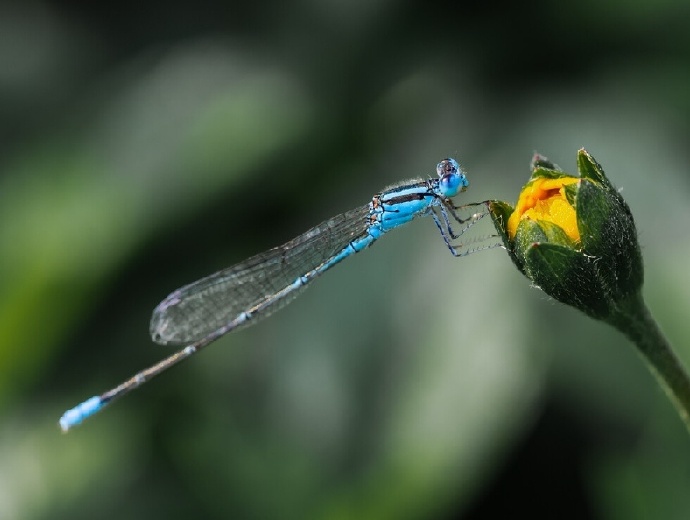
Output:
(80, 412)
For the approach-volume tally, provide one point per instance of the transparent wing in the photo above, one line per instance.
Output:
(198, 309)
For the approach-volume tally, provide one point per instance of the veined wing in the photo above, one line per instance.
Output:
(196, 310)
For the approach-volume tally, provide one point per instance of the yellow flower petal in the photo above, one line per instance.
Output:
(544, 199)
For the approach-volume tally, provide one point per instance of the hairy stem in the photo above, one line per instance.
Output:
(633, 319)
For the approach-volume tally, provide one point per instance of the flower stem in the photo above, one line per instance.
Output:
(632, 318)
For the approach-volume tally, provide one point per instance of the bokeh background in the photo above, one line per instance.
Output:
(146, 144)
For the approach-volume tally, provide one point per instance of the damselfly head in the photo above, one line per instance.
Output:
(451, 177)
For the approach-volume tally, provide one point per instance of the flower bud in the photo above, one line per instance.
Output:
(573, 236)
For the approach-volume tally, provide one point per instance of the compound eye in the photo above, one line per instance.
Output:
(449, 184)
(447, 167)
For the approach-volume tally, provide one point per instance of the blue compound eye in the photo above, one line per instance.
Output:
(452, 179)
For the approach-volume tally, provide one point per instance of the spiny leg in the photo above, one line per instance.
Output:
(446, 206)
(451, 207)
(448, 235)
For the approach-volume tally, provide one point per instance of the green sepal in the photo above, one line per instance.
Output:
(594, 213)
(555, 235)
(528, 233)
(545, 173)
(531, 231)
(608, 234)
(590, 169)
(539, 161)
(567, 276)
(571, 193)
(500, 213)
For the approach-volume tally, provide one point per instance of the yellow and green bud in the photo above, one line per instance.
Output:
(573, 236)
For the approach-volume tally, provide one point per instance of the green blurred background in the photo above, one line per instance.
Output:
(146, 144)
